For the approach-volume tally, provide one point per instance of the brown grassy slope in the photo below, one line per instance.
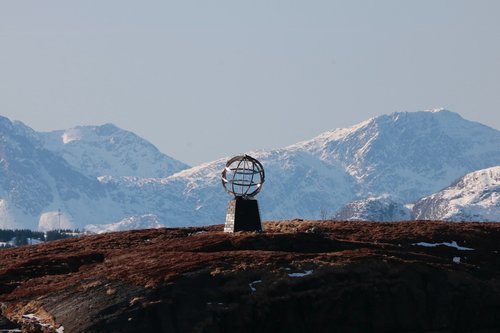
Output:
(363, 275)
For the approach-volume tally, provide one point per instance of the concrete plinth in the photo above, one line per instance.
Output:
(243, 215)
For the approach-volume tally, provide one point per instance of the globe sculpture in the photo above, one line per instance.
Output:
(243, 177)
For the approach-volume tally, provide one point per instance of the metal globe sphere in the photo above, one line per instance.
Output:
(243, 176)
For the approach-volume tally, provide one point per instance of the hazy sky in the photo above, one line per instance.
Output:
(207, 79)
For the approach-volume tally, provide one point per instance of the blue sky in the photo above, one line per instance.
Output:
(208, 79)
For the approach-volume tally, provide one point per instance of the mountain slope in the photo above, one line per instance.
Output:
(474, 197)
(408, 154)
(374, 209)
(109, 150)
(35, 182)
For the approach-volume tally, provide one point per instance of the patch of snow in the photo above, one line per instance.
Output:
(55, 220)
(38, 320)
(31, 316)
(73, 134)
(409, 206)
(11, 242)
(299, 274)
(7, 221)
(452, 244)
(252, 284)
(456, 260)
(197, 232)
(436, 110)
(34, 241)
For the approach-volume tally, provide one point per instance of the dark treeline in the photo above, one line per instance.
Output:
(26, 237)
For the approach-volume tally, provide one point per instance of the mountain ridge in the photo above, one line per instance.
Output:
(108, 150)
(378, 142)
(404, 156)
(475, 196)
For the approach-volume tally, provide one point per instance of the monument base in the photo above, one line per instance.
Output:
(243, 215)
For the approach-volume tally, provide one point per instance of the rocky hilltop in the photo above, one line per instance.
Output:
(297, 276)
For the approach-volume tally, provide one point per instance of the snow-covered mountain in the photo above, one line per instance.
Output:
(108, 150)
(44, 188)
(474, 197)
(374, 209)
(35, 183)
(403, 156)
(408, 154)
(102, 174)
(148, 221)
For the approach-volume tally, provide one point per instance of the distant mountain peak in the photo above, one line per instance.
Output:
(91, 133)
(404, 153)
(109, 150)
(394, 118)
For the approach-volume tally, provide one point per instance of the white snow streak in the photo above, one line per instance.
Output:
(452, 244)
(299, 274)
(252, 285)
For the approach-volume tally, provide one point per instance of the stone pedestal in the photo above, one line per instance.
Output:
(243, 215)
